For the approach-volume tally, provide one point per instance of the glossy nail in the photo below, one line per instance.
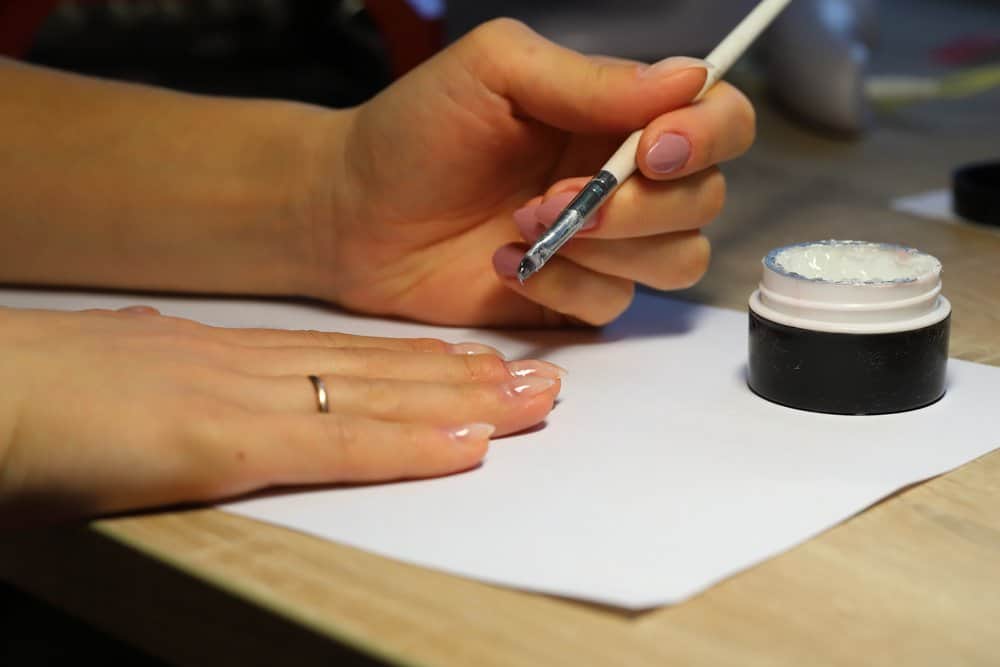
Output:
(526, 215)
(506, 261)
(529, 386)
(530, 229)
(534, 367)
(474, 348)
(472, 432)
(669, 153)
(670, 66)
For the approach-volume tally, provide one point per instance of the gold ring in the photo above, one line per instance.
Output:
(322, 399)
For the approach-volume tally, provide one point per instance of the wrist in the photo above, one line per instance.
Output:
(321, 202)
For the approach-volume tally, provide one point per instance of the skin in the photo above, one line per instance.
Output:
(416, 205)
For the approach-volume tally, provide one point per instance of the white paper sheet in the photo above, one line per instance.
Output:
(933, 205)
(658, 474)
(937, 205)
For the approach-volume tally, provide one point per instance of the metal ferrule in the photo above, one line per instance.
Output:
(571, 220)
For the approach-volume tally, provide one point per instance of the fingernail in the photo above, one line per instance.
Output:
(672, 66)
(526, 215)
(669, 153)
(532, 233)
(506, 260)
(529, 227)
(528, 386)
(474, 348)
(550, 209)
(472, 432)
(533, 367)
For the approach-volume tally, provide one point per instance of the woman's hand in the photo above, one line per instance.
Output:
(438, 182)
(107, 411)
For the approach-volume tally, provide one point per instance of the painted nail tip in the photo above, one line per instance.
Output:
(527, 215)
(531, 386)
(673, 65)
(559, 369)
(473, 432)
(531, 367)
(506, 261)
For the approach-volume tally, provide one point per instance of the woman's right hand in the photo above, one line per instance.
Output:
(106, 411)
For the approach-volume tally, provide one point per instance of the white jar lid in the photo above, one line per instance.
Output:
(851, 287)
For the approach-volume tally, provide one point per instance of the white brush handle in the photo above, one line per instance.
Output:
(622, 164)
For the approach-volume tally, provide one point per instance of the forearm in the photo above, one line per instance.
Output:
(125, 186)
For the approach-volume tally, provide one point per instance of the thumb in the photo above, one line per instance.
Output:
(573, 92)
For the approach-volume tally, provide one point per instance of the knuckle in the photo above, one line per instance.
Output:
(505, 27)
(493, 34)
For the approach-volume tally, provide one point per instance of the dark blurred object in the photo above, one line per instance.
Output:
(976, 190)
(413, 30)
(322, 51)
(969, 50)
(36, 633)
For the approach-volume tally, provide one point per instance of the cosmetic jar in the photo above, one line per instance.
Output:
(849, 327)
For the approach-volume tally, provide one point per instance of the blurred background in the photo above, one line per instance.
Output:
(830, 63)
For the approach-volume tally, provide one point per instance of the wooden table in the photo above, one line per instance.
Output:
(914, 580)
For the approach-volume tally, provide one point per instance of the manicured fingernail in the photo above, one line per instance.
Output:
(529, 228)
(526, 215)
(474, 348)
(472, 432)
(669, 153)
(528, 386)
(533, 367)
(506, 261)
(550, 209)
(672, 66)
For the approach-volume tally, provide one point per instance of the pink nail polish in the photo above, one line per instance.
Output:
(506, 260)
(474, 348)
(550, 209)
(672, 65)
(529, 386)
(533, 234)
(470, 433)
(669, 153)
(527, 215)
(533, 367)
(529, 228)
